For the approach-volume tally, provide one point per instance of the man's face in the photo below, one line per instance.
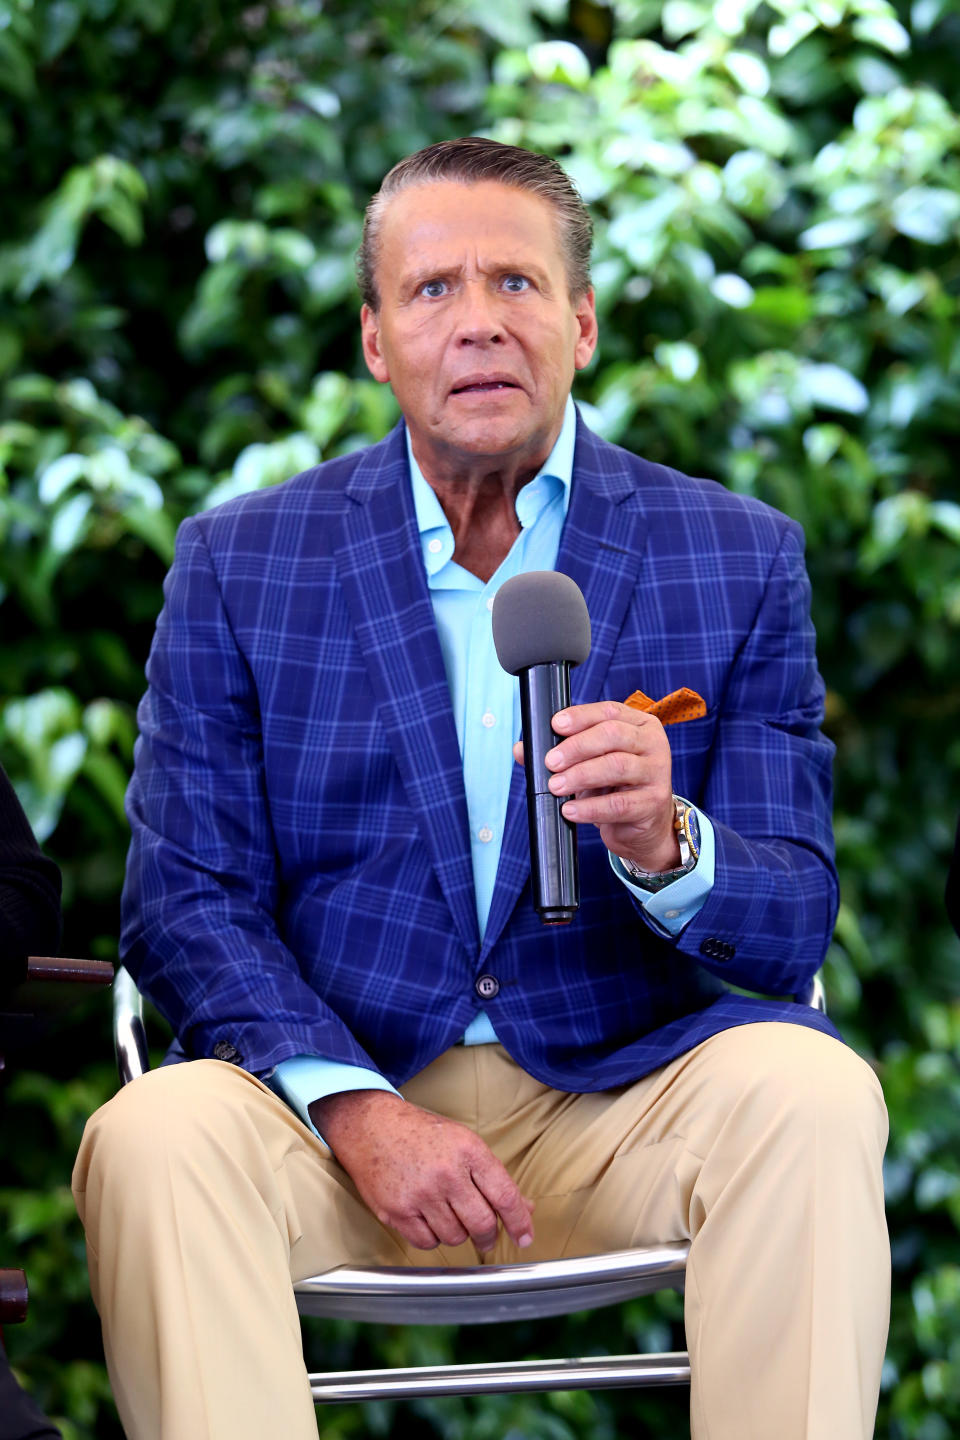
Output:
(476, 331)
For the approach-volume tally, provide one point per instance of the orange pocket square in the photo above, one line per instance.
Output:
(679, 705)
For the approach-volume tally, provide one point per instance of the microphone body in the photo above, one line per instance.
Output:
(541, 629)
(554, 868)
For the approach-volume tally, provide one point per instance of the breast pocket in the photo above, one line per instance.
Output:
(691, 747)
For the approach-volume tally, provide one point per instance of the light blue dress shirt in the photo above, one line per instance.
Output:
(486, 709)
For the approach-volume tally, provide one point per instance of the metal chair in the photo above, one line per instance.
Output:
(486, 1294)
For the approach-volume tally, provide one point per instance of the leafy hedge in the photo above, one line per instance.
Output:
(777, 190)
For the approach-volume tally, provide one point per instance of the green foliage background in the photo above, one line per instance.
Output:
(777, 191)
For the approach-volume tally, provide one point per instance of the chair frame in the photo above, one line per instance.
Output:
(484, 1294)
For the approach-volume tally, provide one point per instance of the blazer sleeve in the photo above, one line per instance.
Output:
(199, 931)
(768, 920)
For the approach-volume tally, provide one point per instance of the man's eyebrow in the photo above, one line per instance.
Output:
(411, 282)
(415, 278)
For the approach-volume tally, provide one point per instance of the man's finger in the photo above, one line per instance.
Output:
(449, 1226)
(621, 807)
(464, 1211)
(609, 737)
(583, 717)
(480, 1222)
(415, 1229)
(503, 1195)
(614, 771)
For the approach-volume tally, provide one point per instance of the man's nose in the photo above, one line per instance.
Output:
(478, 315)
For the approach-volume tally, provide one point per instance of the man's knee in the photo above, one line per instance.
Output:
(791, 1075)
(156, 1124)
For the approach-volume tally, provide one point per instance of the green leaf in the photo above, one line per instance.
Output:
(16, 70)
(836, 232)
(945, 515)
(797, 26)
(11, 349)
(108, 778)
(59, 476)
(927, 213)
(749, 71)
(732, 290)
(684, 17)
(64, 759)
(70, 523)
(884, 31)
(258, 466)
(327, 409)
(322, 101)
(786, 305)
(559, 62)
(834, 388)
(154, 527)
(61, 22)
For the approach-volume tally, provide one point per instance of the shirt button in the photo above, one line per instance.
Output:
(488, 720)
(485, 834)
(435, 546)
(490, 603)
(487, 987)
(670, 914)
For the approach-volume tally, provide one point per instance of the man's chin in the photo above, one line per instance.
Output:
(494, 435)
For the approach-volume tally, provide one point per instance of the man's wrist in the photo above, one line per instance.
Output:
(687, 831)
(336, 1115)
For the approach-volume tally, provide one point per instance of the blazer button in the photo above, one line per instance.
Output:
(487, 987)
(716, 949)
(223, 1050)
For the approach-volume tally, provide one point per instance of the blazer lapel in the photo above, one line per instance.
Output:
(601, 548)
(386, 590)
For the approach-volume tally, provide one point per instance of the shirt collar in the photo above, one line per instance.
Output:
(553, 479)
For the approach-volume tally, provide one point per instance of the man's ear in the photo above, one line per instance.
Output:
(370, 339)
(586, 314)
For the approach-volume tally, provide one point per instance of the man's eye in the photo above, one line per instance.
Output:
(433, 288)
(516, 284)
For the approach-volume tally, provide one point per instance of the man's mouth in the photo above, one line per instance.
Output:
(477, 387)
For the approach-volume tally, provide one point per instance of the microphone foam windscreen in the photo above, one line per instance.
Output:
(540, 617)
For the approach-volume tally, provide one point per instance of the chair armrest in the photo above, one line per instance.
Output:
(814, 995)
(129, 1033)
(51, 983)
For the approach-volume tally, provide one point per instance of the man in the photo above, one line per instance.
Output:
(328, 884)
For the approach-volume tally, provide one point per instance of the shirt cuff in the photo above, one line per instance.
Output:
(676, 904)
(305, 1078)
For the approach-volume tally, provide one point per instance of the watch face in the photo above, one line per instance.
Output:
(688, 834)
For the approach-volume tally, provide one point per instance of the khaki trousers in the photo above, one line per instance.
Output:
(203, 1196)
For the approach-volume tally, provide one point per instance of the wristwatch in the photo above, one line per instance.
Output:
(687, 826)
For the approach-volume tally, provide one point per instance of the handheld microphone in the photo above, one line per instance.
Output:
(540, 629)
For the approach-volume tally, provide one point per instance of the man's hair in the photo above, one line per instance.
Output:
(468, 162)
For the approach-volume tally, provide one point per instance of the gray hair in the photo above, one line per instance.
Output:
(468, 162)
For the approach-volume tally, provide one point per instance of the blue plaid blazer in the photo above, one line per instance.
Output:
(299, 879)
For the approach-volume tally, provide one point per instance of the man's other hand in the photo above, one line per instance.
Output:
(616, 761)
(429, 1178)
